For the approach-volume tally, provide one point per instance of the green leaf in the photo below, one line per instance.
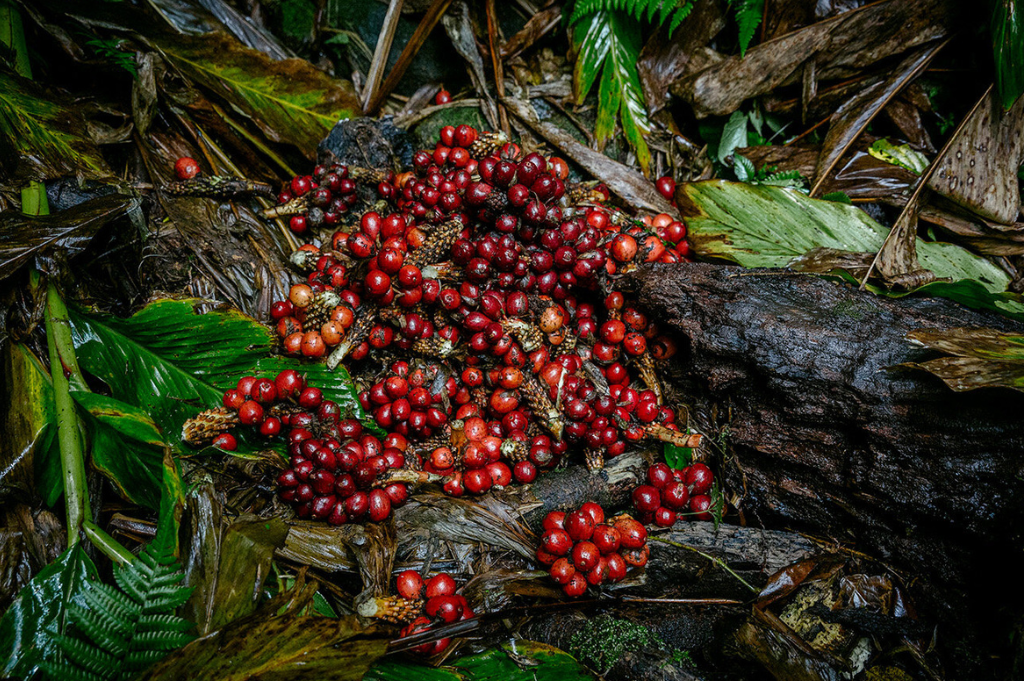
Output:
(980, 358)
(540, 662)
(39, 614)
(173, 362)
(769, 226)
(748, 17)
(837, 197)
(901, 155)
(1008, 49)
(611, 41)
(29, 426)
(734, 135)
(291, 101)
(677, 457)
(46, 134)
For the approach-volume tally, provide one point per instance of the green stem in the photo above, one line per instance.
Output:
(64, 368)
(714, 560)
(12, 34)
(107, 545)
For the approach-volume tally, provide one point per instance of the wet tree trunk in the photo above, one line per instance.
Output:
(824, 435)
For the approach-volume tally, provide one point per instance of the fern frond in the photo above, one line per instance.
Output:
(86, 655)
(112, 605)
(100, 628)
(748, 15)
(640, 10)
(163, 623)
(788, 178)
(66, 671)
(160, 640)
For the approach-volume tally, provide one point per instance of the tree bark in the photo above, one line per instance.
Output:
(796, 375)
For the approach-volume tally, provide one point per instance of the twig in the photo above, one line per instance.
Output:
(426, 25)
(720, 563)
(383, 49)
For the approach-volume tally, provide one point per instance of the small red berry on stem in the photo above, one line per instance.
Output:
(186, 168)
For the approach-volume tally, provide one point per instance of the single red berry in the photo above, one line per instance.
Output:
(592, 509)
(186, 168)
(585, 556)
(606, 539)
(576, 586)
(445, 608)
(562, 570)
(380, 506)
(556, 542)
(666, 186)
(543, 557)
(442, 97)
(632, 535)
(270, 427)
(580, 526)
(664, 517)
(225, 441)
(646, 498)
(616, 567)
(554, 521)
(699, 478)
(250, 413)
(675, 495)
(311, 398)
(233, 399)
(659, 475)
(701, 505)
(409, 585)
(440, 585)
(637, 557)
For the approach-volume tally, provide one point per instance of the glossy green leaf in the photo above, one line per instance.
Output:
(173, 362)
(610, 41)
(1008, 49)
(759, 226)
(290, 100)
(538, 662)
(39, 614)
(677, 457)
(734, 135)
(979, 358)
(29, 426)
(172, 504)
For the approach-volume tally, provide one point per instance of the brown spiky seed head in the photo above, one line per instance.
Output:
(320, 308)
(202, 428)
(391, 609)
(487, 144)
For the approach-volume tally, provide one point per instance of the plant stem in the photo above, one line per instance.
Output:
(63, 368)
(107, 545)
(714, 560)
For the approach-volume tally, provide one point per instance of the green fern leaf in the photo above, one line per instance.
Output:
(679, 16)
(65, 671)
(101, 629)
(86, 655)
(748, 17)
(163, 623)
(637, 9)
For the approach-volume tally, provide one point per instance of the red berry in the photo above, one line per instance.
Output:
(311, 398)
(543, 557)
(664, 517)
(556, 542)
(699, 478)
(186, 168)
(233, 399)
(646, 498)
(592, 509)
(675, 495)
(616, 567)
(440, 585)
(659, 475)
(585, 556)
(446, 608)
(380, 506)
(225, 441)
(409, 585)
(666, 186)
(442, 97)
(576, 586)
(580, 526)
(606, 539)
(250, 413)
(700, 505)
(554, 521)
(632, 534)
(562, 571)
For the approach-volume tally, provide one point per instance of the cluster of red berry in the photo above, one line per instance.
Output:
(438, 602)
(580, 549)
(411, 400)
(673, 493)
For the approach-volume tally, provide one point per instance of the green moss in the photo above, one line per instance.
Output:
(603, 640)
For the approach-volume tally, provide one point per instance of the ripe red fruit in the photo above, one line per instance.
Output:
(580, 526)
(600, 572)
(225, 441)
(659, 475)
(186, 168)
(637, 557)
(311, 398)
(632, 534)
(675, 495)
(289, 383)
(442, 97)
(700, 505)
(409, 585)
(233, 399)
(576, 586)
(623, 248)
(585, 556)
(524, 472)
(380, 506)
(616, 567)
(477, 481)
(646, 498)
(556, 542)
(440, 585)
(562, 571)
(554, 521)
(606, 539)
(445, 608)
(699, 478)
(666, 186)
(664, 517)
(250, 413)
(594, 510)
(543, 557)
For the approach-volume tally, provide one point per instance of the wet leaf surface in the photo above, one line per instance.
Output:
(70, 231)
(517, 660)
(47, 134)
(29, 423)
(40, 612)
(981, 358)
(768, 227)
(1008, 46)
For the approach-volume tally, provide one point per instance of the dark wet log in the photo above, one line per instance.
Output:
(824, 435)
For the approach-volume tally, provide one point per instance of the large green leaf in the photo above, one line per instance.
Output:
(759, 226)
(980, 358)
(172, 361)
(539, 662)
(610, 41)
(39, 614)
(290, 100)
(29, 424)
(46, 134)
(1008, 49)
